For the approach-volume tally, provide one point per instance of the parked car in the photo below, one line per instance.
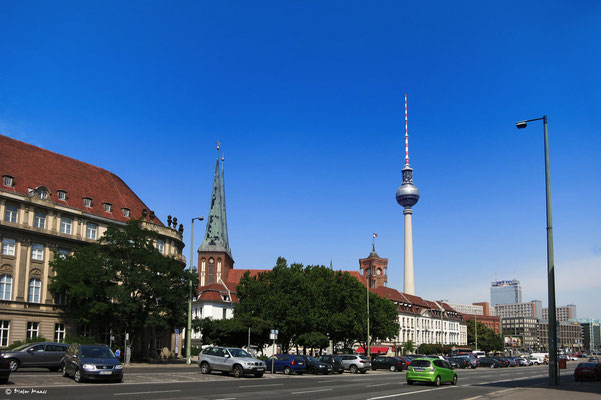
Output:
(334, 361)
(286, 363)
(512, 361)
(588, 370)
(4, 370)
(522, 362)
(45, 355)
(462, 362)
(472, 360)
(490, 362)
(91, 361)
(504, 361)
(593, 359)
(314, 366)
(230, 360)
(355, 363)
(387, 362)
(430, 370)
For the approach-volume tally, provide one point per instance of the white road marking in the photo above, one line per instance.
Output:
(157, 391)
(267, 384)
(408, 393)
(380, 384)
(312, 391)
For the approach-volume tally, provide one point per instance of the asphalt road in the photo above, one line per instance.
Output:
(186, 382)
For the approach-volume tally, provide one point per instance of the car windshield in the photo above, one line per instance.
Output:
(22, 347)
(310, 359)
(586, 365)
(420, 363)
(96, 352)
(239, 353)
(365, 358)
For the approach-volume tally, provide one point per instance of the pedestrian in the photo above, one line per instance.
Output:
(118, 353)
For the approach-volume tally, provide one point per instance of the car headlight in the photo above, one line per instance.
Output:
(119, 366)
(89, 367)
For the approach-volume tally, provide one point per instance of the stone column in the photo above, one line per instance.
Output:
(409, 280)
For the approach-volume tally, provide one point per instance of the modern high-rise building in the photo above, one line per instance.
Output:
(563, 313)
(591, 333)
(505, 292)
(407, 196)
(531, 309)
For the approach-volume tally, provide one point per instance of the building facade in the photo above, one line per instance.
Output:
(569, 335)
(49, 206)
(531, 309)
(562, 313)
(591, 334)
(505, 292)
(520, 333)
(471, 309)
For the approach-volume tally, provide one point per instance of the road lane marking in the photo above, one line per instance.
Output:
(157, 391)
(407, 393)
(267, 384)
(380, 384)
(312, 391)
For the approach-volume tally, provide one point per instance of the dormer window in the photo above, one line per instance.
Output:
(125, 212)
(8, 180)
(42, 193)
(61, 195)
(87, 202)
(108, 207)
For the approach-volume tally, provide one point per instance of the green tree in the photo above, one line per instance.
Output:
(488, 340)
(124, 283)
(408, 346)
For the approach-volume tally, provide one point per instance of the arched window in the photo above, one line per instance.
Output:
(6, 286)
(35, 289)
(211, 272)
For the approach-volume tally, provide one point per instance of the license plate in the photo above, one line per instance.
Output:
(106, 372)
(260, 369)
(419, 369)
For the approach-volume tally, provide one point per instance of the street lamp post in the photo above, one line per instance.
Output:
(189, 325)
(441, 314)
(553, 379)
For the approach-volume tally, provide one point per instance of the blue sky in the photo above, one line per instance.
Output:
(307, 99)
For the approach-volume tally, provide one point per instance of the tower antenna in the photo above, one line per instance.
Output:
(406, 134)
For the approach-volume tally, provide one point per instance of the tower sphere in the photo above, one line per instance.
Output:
(407, 194)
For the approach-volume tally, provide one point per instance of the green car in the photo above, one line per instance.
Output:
(431, 370)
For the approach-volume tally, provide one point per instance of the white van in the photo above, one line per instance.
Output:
(479, 353)
(538, 358)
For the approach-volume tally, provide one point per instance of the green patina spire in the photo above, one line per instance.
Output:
(216, 238)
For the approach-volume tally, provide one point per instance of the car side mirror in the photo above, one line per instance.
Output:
(227, 356)
(30, 351)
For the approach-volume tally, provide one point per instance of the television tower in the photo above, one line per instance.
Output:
(407, 196)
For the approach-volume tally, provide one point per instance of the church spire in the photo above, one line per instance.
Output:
(216, 238)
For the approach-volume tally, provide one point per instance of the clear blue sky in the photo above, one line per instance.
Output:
(307, 99)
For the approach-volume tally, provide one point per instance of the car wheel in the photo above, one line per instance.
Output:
(437, 381)
(454, 381)
(77, 376)
(238, 371)
(312, 370)
(13, 365)
(287, 371)
(353, 369)
(392, 368)
(409, 382)
(205, 368)
(64, 370)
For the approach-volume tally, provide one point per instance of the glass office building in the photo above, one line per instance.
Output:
(505, 292)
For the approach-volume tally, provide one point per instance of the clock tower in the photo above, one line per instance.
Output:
(374, 269)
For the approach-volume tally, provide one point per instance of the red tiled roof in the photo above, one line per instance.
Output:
(234, 275)
(32, 167)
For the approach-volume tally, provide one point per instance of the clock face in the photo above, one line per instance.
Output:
(379, 271)
(368, 271)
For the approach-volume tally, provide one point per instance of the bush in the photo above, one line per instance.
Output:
(18, 343)
(81, 340)
(194, 351)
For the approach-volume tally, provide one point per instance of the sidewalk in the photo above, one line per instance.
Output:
(567, 389)
(172, 362)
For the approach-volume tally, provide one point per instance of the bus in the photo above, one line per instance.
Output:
(457, 351)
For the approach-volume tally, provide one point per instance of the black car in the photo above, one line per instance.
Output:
(92, 361)
(334, 361)
(314, 366)
(504, 360)
(386, 362)
(42, 355)
(459, 362)
(490, 362)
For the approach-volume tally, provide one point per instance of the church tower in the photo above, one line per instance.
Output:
(214, 254)
(374, 269)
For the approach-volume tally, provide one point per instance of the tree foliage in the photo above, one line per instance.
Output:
(309, 305)
(123, 282)
(488, 340)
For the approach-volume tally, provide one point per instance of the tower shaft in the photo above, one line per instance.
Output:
(409, 286)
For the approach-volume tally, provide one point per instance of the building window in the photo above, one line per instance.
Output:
(8, 180)
(33, 329)
(59, 333)
(161, 245)
(4, 328)
(37, 252)
(63, 253)
(61, 195)
(108, 207)
(39, 219)
(211, 272)
(66, 225)
(125, 212)
(35, 288)
(8, 247)
(6, 286)
(85, 331)
(42, 194)
(91, 231)
(60, 299)
(224, 315)
(87, 202)
(11, 213)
